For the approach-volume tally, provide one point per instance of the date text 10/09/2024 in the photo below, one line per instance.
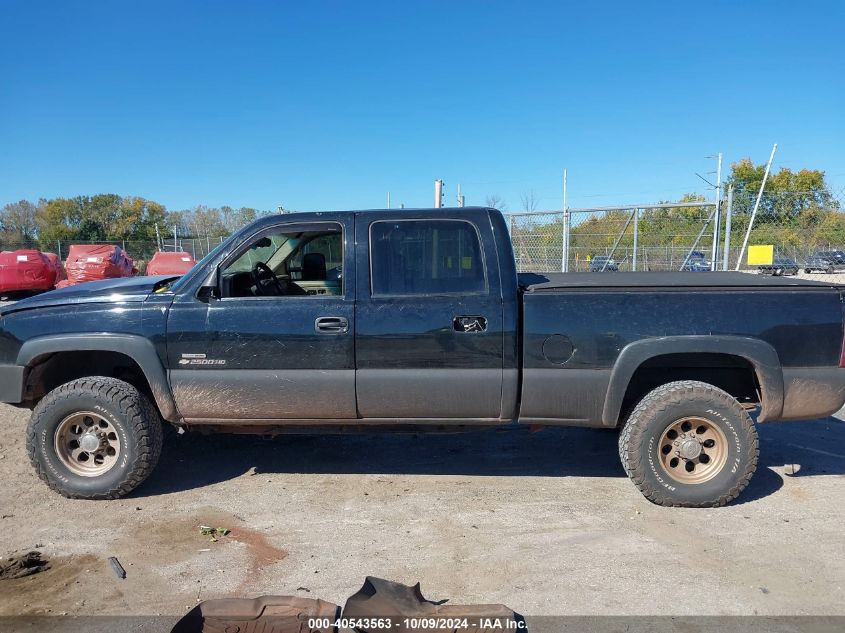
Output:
(421, 624)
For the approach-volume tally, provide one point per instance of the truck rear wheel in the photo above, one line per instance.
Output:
(94, 438)
(689, 444)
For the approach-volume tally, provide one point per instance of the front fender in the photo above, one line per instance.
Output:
(760, 354)
(138, 348)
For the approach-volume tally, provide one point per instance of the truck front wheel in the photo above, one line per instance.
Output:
(689, 444)
(94, 438)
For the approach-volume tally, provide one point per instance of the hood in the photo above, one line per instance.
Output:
(120, 290)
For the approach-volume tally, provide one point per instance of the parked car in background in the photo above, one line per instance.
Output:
(94, 262)
(697, 263)
(696, 266)
(603, 263)
(826, 262)
(25, 271)
(170, 263)
(57, 264)
(779, 266)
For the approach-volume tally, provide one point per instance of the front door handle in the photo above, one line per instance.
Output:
(331, 325)
(469, 324)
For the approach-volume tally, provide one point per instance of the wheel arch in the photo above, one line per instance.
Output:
(761, 356)
(137, 349)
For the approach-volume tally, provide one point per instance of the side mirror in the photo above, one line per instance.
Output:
(206, 293)
(210, 288)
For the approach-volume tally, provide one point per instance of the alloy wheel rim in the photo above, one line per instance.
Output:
(692, 450)
(87, 444)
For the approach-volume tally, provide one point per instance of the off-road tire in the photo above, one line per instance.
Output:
(638, 444)
(129, 411)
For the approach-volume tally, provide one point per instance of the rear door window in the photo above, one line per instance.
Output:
(424, 257)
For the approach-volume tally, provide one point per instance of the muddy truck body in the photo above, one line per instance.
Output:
(417, 319)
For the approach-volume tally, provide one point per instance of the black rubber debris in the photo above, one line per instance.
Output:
(18, 566)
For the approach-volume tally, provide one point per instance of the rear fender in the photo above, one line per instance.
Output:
(760, 354)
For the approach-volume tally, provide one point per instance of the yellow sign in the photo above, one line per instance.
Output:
(761, 255)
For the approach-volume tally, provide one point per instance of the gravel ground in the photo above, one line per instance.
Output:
(545, 522)
(836, 278)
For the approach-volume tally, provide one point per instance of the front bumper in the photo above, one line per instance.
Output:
(11, 383)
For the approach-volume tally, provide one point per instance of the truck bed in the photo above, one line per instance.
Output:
(540, 282)
(580, 327)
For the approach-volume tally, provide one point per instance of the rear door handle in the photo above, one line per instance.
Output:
(469, 324)
(331, 325)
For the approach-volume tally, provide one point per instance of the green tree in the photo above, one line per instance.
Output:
(787, 195)
(17, 220)
(102, 217)
(139, 217)
(59, 219)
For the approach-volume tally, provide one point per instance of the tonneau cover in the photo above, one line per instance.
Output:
(539, 282)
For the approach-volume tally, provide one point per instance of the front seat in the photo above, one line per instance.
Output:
(314, 267)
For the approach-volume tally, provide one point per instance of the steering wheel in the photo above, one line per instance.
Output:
(264, 279)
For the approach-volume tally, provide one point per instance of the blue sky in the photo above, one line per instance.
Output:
(329, 105)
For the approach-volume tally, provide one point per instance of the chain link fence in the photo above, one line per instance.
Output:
(141, 251)
(675, 236)
(644, 237)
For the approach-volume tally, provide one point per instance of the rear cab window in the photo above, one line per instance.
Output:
(425, 257)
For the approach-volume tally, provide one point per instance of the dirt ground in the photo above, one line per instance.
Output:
(544, 522)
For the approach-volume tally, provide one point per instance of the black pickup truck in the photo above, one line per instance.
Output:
(410, 319)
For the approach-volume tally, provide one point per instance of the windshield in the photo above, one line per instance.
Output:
(176, 284)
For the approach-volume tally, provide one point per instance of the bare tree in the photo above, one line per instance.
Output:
(496, 202)
(529, 201)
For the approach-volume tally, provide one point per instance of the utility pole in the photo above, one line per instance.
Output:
(756, 206)
(438, 193)
(636, 238)
(564, 256)
(728, 214)
(460, 197)
(717, 225)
